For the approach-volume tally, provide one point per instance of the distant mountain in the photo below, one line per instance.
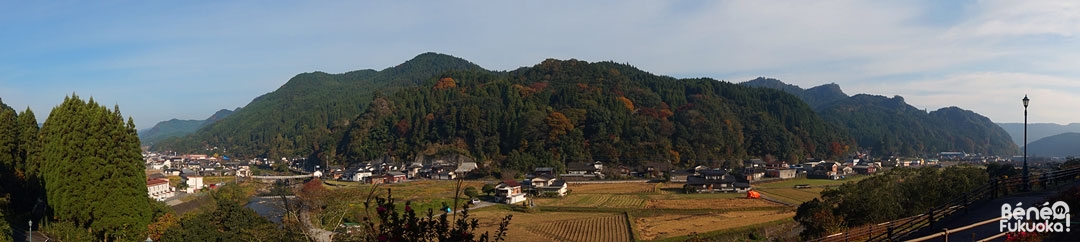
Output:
(891, 126)
(298, 118)
(1037, 131)
(817, 97)
(178, 128)
(1061, 145)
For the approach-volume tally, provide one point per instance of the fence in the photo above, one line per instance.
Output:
(900, 228)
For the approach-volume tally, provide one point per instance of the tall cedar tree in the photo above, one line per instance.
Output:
(92, 169)
(8, 150)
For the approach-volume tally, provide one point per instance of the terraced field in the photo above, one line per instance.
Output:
(596, 229)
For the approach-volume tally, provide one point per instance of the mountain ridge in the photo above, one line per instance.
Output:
(1037, 131)
(891, 126)
(177, 127)
(322, 102)
(1060, 145)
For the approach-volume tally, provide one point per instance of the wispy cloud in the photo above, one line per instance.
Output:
(162, 60)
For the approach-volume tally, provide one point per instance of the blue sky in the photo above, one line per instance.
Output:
(160, 60)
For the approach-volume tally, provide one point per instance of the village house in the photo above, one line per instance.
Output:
(714, 181)
(580, 171)
(680, 175)
(780, 173)
(544, 171)
(545, 186)
(556, 188)
(865, 169)
(826, 170)
(194, 183)
(653, 169)
(394, 177)
(509, 192)
(159, 189)
(754, 169)
(465, 168)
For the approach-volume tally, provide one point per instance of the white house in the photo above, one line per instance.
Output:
(194, 183)
(509, 192)
(159, 189)
(360, 175)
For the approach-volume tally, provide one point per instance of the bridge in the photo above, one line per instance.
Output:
(977, 212)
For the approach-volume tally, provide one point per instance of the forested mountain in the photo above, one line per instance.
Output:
(817, 97)
(1061, 145)
(562, 111)
(891, 126)
(1037, 131)
(297, 119)
(178, 128)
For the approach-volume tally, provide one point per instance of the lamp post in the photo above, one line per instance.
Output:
(31, 234)
(1027, 186)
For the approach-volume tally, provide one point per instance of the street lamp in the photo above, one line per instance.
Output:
(31, 234)
(1027, 186)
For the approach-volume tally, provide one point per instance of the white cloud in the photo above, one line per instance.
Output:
(994, 94)
(1022, 18)
(244, 49)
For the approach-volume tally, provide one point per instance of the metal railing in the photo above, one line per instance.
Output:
(900, 228)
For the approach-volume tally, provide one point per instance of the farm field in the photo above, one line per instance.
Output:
(672, 225)
(785, 190)
(616, 188)
(612, 211)
(556, 226)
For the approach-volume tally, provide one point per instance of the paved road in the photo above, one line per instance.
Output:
(20, 235)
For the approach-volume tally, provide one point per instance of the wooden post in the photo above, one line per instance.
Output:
(890, 233)
(930, 219)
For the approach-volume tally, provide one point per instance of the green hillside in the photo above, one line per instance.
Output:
(889, 126)
(297, 119)
(562, 111)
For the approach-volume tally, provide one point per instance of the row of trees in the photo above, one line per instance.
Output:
(18, 169)
(82, 169)
(899, 193)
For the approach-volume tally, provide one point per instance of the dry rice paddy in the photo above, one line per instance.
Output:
(672, 225)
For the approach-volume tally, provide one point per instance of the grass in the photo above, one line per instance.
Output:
(785, 190)
(790, 183)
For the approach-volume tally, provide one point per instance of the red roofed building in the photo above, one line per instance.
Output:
(159, 189)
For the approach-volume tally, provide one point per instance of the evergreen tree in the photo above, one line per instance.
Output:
(27, 160)
(92, 170)
(9, 148)
(8, 158)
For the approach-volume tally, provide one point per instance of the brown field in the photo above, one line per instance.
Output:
(594, 201)
(594, 229)
(614, 188)
(672, 225)
(710, 203)
(658, 210)
(556, 226)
